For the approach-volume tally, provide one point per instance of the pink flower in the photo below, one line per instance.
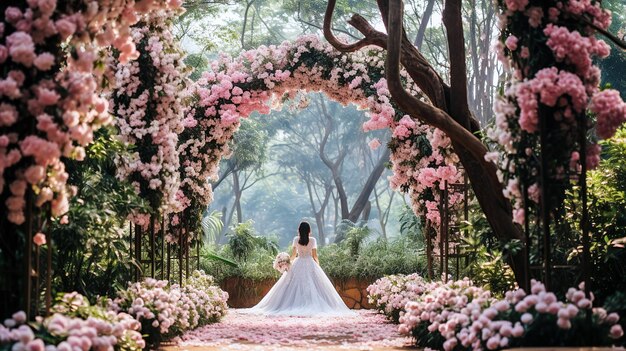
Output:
(516, 5)
(44, 61)
(526, 318)
(593, 156)
(34, 174)
(12, 14)
(511, 42)
(21, 48)
(535, 15)
(65, 27)
(8, 114)
(39, 239)
(47, 97)
(43, 151)
(616, 331)
(517, 331)
(519, 215)
(47, 6)
(610, 110)
(374, 144)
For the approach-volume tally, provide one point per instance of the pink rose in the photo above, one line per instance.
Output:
(39, 239)
(21, 48)
(8, 114)
(47, 97)
(45, 195)
(511, 42)
(616, 331)
(12, 14)
(34, 174)
(47, 6)
(65, 28)
(44, 61)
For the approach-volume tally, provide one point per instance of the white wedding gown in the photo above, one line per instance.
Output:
(304, 290)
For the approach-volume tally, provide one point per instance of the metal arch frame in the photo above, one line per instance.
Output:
(445, 213)
(543, 232)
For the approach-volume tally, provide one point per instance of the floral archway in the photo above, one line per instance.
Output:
(263, 78)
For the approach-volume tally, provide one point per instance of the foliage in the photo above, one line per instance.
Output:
(613, 66)
(212, 226)
(374, 260)
(411, 226)
(243, 241)
(486, 264)
(607, 211)
(352, 235)
(90, 245)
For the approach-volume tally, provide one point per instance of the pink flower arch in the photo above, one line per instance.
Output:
(257, 80)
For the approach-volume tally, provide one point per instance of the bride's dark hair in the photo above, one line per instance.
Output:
(304, 229)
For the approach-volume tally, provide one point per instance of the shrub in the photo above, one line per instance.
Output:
(391, 293)
(433, 318)
(74, 325)
(166, 311)
(460, 316)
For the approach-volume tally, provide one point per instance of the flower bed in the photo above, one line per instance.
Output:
(391, 293)
(460, 316)
(166, 311)
(74, 325)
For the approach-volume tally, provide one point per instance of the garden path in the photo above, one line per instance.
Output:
(365, 331)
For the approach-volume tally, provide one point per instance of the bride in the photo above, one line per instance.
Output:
(304, 290)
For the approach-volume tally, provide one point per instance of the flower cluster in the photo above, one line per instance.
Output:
(391, 293)
(49, 101)
(458, 315)
(74, 325)
(168, 310)
(195, 192)
(436, 315)
(150, 98)
(282, 262)
(264, 77)
(554, 85)
(538, 319)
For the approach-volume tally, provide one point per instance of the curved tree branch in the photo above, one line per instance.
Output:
(334, 41)
(411, 105)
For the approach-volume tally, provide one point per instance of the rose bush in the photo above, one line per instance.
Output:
(73, 325)
(166, 310)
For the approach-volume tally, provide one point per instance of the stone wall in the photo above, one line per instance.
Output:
(245, 293)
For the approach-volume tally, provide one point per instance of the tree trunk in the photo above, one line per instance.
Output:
(237, 189)
(419, 38)
(363, 200)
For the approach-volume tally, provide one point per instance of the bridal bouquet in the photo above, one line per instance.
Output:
(282, 262)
